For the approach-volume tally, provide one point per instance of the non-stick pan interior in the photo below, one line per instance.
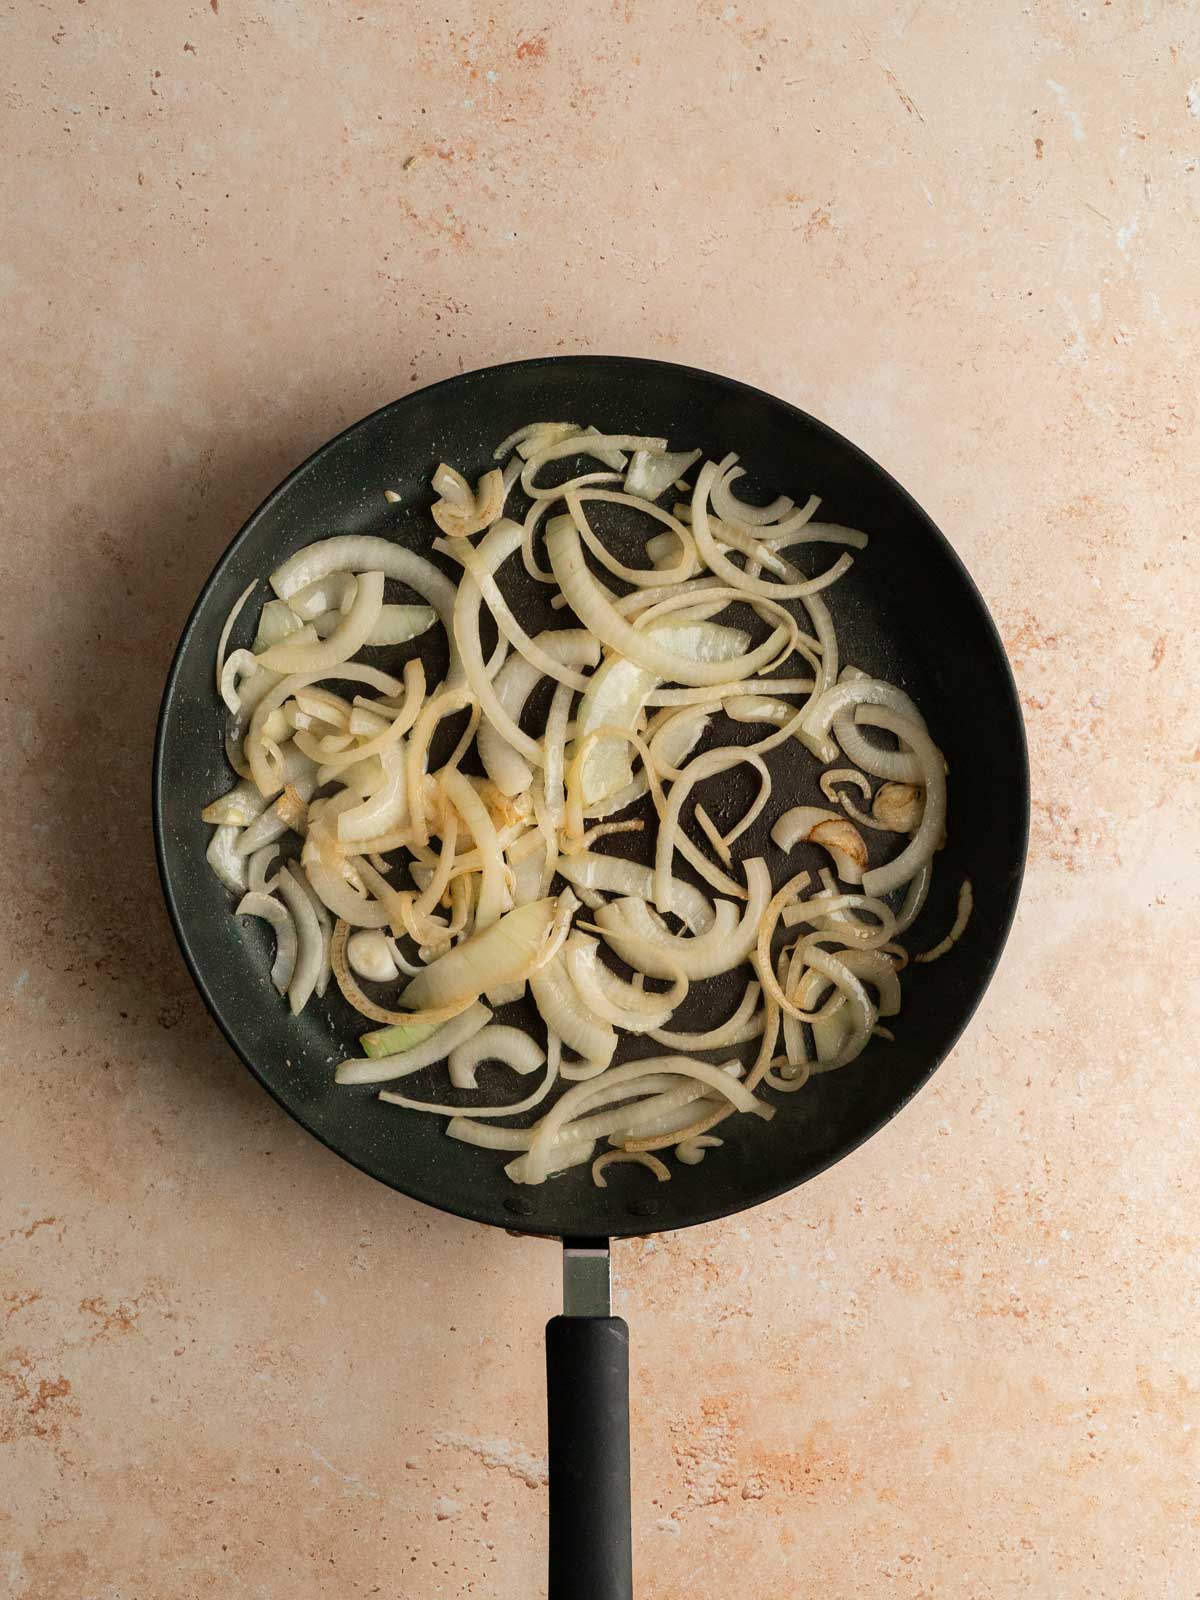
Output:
(907, 610)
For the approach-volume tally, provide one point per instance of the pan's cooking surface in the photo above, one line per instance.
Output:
(907, 610)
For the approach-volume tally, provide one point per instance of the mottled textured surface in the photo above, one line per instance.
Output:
(964, 1363)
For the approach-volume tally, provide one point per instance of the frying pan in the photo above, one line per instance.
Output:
(907, 611)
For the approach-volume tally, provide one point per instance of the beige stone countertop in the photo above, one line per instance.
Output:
(963, 1364)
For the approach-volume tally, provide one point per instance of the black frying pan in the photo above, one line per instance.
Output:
(907, 611)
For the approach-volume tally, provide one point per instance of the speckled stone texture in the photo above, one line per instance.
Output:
(963, 1364)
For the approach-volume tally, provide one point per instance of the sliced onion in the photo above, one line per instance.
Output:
(613, 458)
(447, 704)
(730, 509)
(702, 766)
(800, 987)
(829, 781)
(474, 813)
(642, 577)
(532, 437)
(897, 808)
(553, 1056)
(615, 1157)
(711, 832)
(493, 549)
(734, 575)
(555, 744)
(663, 550)
(581, 1071)
(398, 903)
(877, 969)
(223, 857)
(759, 553)
(514, 683)
(834, 703)
(405, 1020)
(743, 1025)
(277, 622)
(526, 866)
(387, 808)
(651, 473)
(722, 693)
(345, 641)
(920, 848)
(401, 961)
(726, 944)
(451, 486)
(510, 1046)
(621, 801)
(363, 552)
(265, 775)
(257, 866)
(235, 612)
(655, 1100)
(235, 753)
(807, 532)
(398, 1037)
(335, 592)
(597, 995)
(242, 664)
(395, 624)
(280, 918)
(401, 721)
(343, 901)
(482, 563)
(237, 808)
(914, 899)
(676, 733)
(326, 711)
(503, 953)
(835, 980)
(830, 1036)
(859, 1014)
(772, 987)
(383, 1069)
(605, 447)
(439, 879)
(284, 815)
(541, 1148)
(574, 808)
(829, 830)
(966, 901)
(310, 951)
(827, 640)
(558, 1003)
(758, 708)
(691, 1151)
(831, 912)
(667, 551)
(617, 693)
(615, 875)
(460, 519)
(705, 1115)
(572, 1150)
(596, 612)
(703, 597)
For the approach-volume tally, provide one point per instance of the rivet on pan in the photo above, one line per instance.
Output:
(644, 1208)
(520, 1204)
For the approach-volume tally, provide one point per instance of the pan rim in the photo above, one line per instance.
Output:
(628, 1227)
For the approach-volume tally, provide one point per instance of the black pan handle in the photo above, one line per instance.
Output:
(587, 1391)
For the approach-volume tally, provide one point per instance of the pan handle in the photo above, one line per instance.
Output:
(587, 1391)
